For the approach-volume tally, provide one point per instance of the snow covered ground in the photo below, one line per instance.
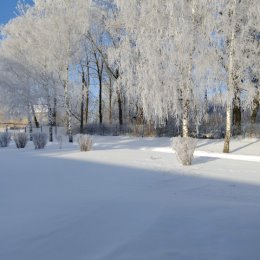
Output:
(129, 199)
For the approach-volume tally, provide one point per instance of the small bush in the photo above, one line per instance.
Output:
(39, 140)
(184, 147)
(85, 143)
(20, 139)
(5, 139)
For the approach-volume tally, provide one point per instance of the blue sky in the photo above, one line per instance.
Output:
(8, 9)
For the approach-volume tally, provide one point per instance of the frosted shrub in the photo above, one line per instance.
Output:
(39, 140)
(20, 139)
(184, 147)
(85, 143)
(59, 139)
(5, 139)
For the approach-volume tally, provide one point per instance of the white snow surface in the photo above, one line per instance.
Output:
(129, 199)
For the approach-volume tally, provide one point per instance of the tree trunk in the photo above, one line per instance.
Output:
(187, 97)
(30, 129)
(50, 121)
(185, 120)
(68, 108)
(110, 101)
(237, 113)
(230, 78)
(87, 94)
(54, 115)
(120, 107)
(100, 66)
(37, 125)
(253, 117)
(228, 128)
(82, 102)
(254, 111)
(30, 123)
(100, 100)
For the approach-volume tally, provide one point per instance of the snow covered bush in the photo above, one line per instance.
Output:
(185, 147)
(5, 139)
(20, 139)
(85, 143)
(39, 140)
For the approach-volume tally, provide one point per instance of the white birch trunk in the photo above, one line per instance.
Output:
(185, 120)
(228, 128)
(230, 78)
(188, 95)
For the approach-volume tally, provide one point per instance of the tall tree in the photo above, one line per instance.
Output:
(236, 22)
(162, 56)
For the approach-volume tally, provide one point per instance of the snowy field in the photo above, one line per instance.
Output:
(129, 199)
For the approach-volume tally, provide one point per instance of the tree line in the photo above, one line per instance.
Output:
(158, 63)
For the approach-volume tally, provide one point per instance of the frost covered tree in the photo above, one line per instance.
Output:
(49, 35)
(105, 39)
(163, 56)
(17, 95)
(18, 76)
(68, 23)
(31, 46)
(238, 27)
(155, 60)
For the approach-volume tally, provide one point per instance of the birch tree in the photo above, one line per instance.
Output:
(68, 23)
(34, 46)
(163, 56)
(238, 25)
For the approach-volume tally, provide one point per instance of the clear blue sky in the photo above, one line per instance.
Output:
(8, 9)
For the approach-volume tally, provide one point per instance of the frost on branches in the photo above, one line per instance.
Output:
(184, 147)
(111, 61)
(164, 63)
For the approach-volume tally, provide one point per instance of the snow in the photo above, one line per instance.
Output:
(130, 199)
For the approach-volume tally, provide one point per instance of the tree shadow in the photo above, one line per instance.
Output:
(203, 160)
(208, 142)
(131, 143)
(244, 146)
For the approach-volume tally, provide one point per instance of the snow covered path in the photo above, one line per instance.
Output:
(128, 200)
